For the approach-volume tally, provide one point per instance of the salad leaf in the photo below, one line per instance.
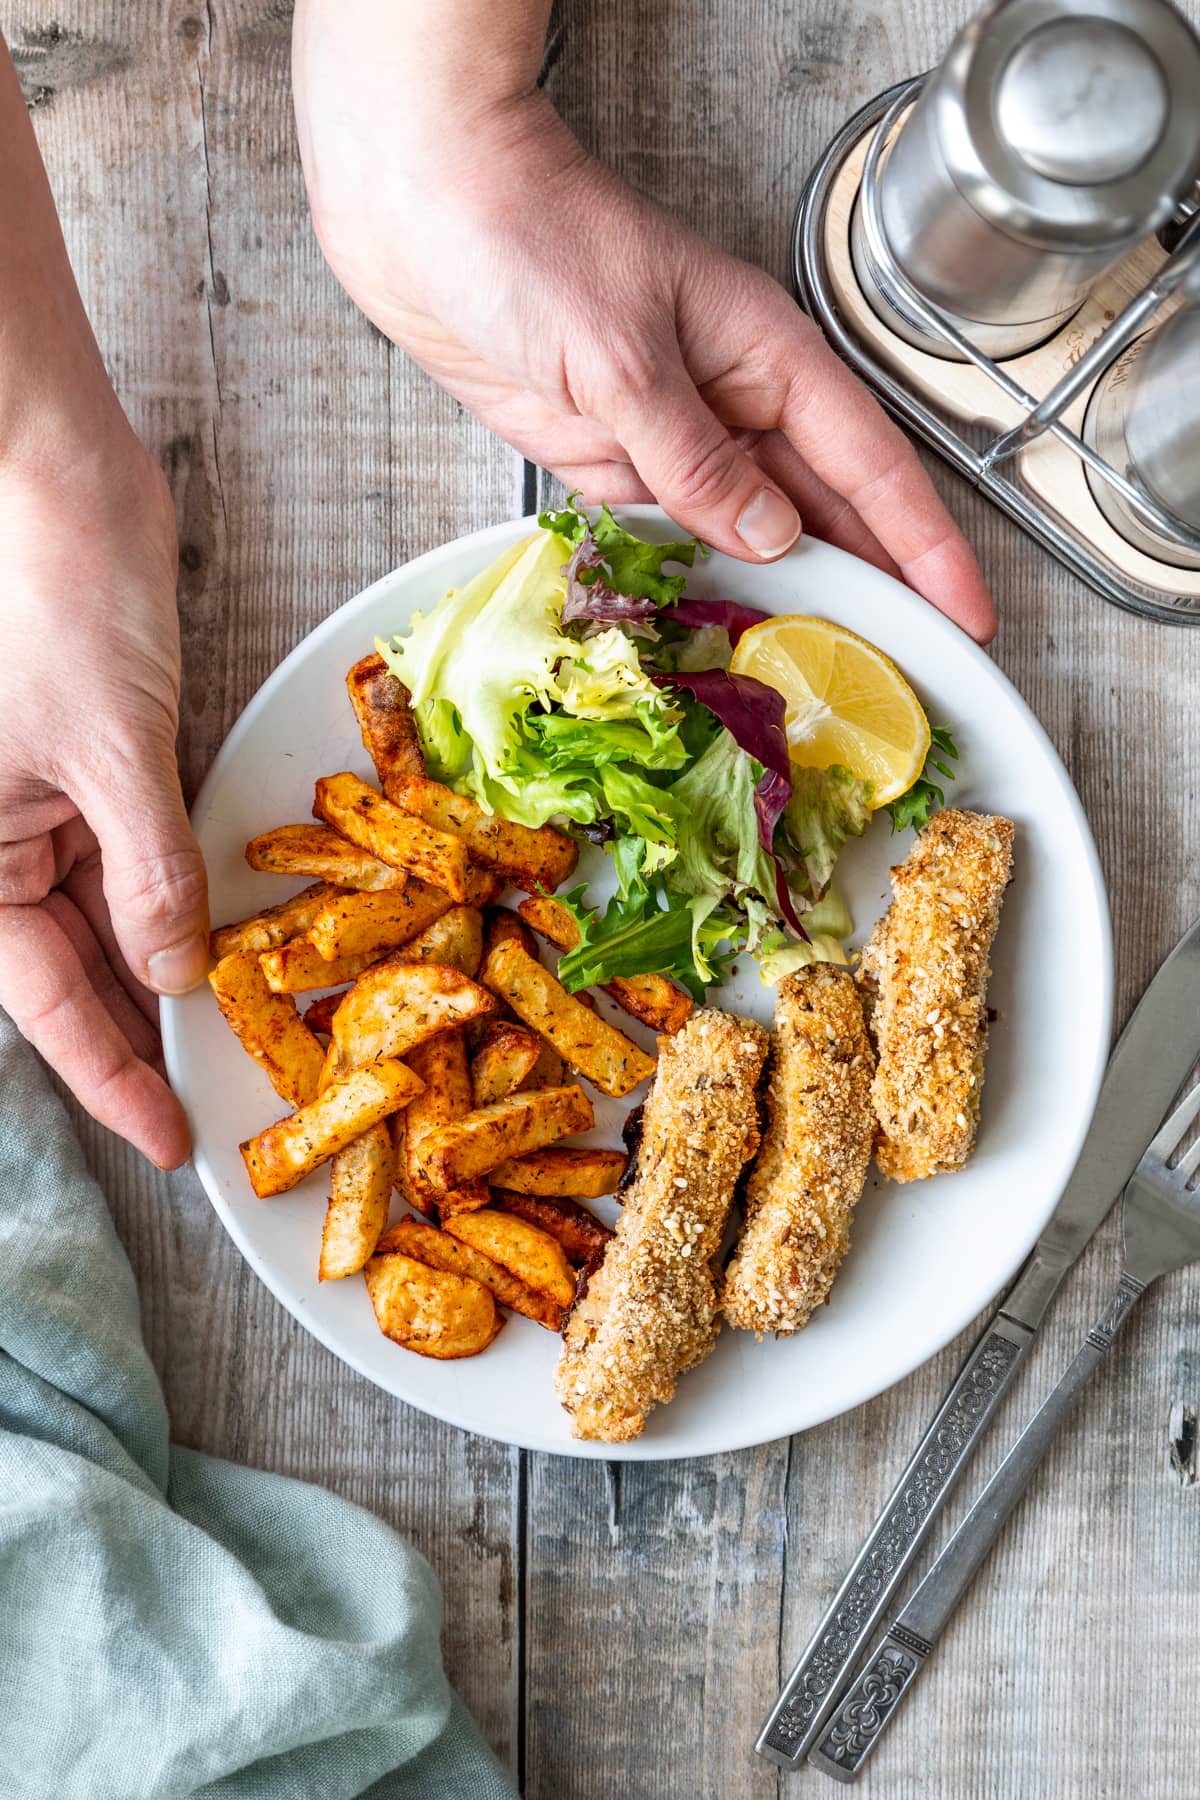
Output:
(721, 855)
(925, 796)
(617, 560)
(489, 651)
(730, 616)
(605, 680)
(826, 807)
(590, 600)
(753, 714)
(828, 923)
(648, 931)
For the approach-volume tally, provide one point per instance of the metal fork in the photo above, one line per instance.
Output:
(1161, 1221)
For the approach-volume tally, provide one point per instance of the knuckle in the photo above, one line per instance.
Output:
(161, 887)
(705, 475)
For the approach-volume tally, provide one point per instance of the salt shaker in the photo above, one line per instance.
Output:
(1055, 135)
(1144, 419)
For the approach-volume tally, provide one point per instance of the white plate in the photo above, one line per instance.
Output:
(925, 1258)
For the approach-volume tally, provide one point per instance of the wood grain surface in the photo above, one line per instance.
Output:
(618, 1632)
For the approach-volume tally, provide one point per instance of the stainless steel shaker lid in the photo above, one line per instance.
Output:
(1082, 100)
(1072, 121)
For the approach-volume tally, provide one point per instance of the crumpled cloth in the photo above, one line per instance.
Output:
(171, 1624)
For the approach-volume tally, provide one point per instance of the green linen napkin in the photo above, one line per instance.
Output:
(170, 1624)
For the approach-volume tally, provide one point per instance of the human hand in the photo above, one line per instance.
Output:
(600, 337)
(102, 888)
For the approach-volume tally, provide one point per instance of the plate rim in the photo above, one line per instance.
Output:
(641, 1449)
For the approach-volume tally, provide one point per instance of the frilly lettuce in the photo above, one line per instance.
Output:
(826, 807)
(487, 652)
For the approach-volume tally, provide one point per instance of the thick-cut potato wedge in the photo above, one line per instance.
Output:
(500, 924)
(359, 1197)
(442, 1251)
(582, 1235)
(590, 1044)
(548, 1071)
(525, 1250)
(298, 966)
(584, 1174)
(528, 858)
(371, 924)
(269, 1027)
(483, 885)
(316, 850)
(505, 1054)
(473, 1145)
(398, 1004)
(455, 939)
(441, 1063)
(430, 1311)
(389, 731)
(282, 1155)
(653, 999)
(275, 925)
(318, 1014)
(383, 829)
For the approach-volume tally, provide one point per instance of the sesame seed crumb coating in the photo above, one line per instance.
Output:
(810, 1171)
(924, 976)
(650, 1310)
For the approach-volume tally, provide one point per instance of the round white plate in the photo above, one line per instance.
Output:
(925, 1258)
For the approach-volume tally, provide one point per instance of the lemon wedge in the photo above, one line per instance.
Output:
(846, 701)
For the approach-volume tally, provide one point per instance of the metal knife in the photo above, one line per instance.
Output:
(1155, 1051)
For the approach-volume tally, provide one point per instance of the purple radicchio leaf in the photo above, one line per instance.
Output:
(732, 616)
(595, 601)
(753, 714)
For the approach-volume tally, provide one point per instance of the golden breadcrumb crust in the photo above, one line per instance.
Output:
(810, 1171)
(650, 1310)
(924, 977)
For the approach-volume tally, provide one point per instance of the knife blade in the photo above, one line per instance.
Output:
(1154, 1053)
(1156, 1050)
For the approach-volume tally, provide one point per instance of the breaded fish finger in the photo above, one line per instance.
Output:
(810, 1171)
(924, 977)
(650, 1310)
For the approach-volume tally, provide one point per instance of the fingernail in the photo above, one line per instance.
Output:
(181, 968)
(769, 524)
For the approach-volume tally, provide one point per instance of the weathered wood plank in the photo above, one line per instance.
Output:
(307, 458)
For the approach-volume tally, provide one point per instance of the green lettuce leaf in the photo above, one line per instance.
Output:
(827, 807)
(603, 679)
(720, 856)
(489, 651)
(925, 796)
(649, 931)
(627, 565)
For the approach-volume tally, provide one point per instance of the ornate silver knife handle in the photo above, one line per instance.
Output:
(858, 1723)
(819, 1679)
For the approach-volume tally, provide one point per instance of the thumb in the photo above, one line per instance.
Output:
(154, 880)
(699, 475)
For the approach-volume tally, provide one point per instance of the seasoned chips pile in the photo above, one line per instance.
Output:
(439, 1071)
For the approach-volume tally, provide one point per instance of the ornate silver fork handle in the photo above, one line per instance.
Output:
(817, 1681)
(872, 1702)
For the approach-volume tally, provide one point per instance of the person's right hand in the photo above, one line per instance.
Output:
(593, 331)
(102, 887)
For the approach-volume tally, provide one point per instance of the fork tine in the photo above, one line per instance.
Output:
(1168, 1137)
(1188, 1164)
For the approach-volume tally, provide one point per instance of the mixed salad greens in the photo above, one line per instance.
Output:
(572, 682)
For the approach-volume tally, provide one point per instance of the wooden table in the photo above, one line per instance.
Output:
(616, 1631)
